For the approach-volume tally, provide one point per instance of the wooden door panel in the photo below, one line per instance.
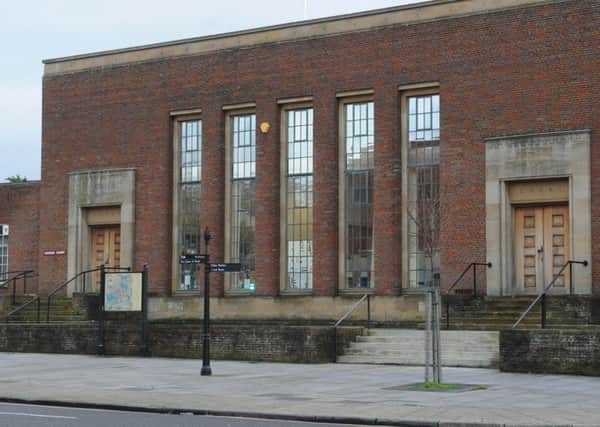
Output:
(556, 239)
(541, 243)
(106, 249)
(528, 241)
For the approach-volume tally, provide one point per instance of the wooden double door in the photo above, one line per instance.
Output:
(541, 248)
(106, 249)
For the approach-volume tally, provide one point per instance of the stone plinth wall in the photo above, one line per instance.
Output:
(254, 342)
(551, 351)
(573, 310)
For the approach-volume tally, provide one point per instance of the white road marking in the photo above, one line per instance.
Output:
(23, 414)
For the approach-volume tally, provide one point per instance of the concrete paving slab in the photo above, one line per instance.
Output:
(329, 391)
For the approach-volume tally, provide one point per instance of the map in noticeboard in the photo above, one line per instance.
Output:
(123, 292)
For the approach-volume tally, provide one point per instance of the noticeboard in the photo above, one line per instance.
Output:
(123, 292)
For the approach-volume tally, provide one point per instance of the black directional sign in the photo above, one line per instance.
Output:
(224, 267)
(192, 259)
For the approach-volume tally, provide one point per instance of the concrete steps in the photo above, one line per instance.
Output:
(61, 310)
(489, 313)
(407, 347)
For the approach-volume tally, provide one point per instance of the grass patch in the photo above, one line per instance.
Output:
(441, 386)
(435, 387)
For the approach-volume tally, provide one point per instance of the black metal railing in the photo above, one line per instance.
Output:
(52, 294)
(71, 280)
(473, 266)
(542, 295)
(23, 306)
(13, 277)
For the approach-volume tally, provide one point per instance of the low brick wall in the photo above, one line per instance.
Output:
(254, 342)
(551, 351)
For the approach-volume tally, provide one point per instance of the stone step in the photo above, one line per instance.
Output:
(406, 347)
(463, 362)
(384, 334)
(419, 350)
(418, 357)
(408, 342)
(61, 309)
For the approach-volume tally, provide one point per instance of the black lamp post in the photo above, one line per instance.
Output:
(206, 335)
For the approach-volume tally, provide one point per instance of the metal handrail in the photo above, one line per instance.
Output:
(20, 274)
(51, 294)
(62, 286)
(354, 307)
(542, 294)
(473, 265)
(21, 307)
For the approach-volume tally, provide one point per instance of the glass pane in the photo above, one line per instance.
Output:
(188, 215)
(359, 229)
(243, 224)
(299, 198)
(423, 118)
(190, 143)
(243, 136)
(360, 135)
(3, 259)
(189, 232)
(423, 189)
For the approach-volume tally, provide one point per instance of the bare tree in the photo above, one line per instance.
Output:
(427, 218)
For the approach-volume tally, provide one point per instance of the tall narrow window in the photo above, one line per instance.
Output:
(359, 139)
(188, 198)
(424, 213)
(3, 256)
(299, 207)
(243, 192)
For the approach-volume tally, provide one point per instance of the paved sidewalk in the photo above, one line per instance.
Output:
(321, 391)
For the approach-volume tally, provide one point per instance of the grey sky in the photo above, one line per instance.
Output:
(34, 30)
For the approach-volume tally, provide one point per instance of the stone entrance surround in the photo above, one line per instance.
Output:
(531, 157)
(97, 188)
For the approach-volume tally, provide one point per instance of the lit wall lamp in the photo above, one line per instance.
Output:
(265, 126)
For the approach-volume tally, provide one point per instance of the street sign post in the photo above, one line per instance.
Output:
(225, 267)
(193, 259)
(209, 268)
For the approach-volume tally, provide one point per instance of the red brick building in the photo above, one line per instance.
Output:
(330, 158)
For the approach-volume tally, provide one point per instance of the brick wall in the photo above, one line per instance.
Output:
(19, 208)
(255, 342)
(550, 351)
(523, 70)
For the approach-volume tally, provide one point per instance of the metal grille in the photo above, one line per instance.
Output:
(423, 189)
(243, 194)
(3, 258)
(190, 149)
(299, 198)
(358, 186)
